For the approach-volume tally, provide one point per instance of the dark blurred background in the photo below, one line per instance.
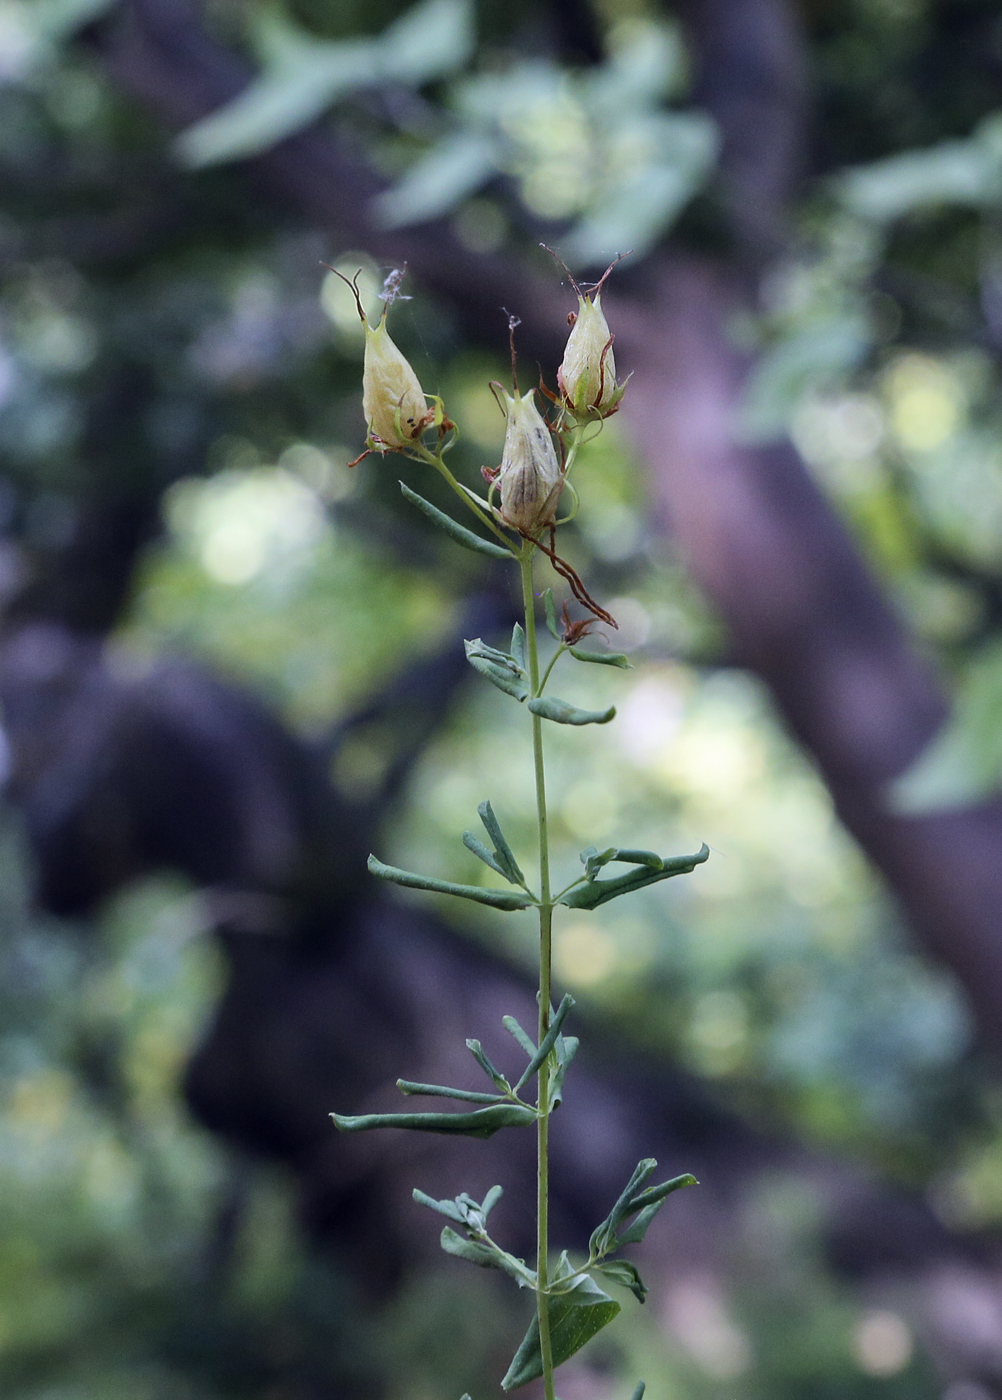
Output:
(230, 666)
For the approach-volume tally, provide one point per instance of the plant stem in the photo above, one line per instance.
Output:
(438, 463)
(545, 924)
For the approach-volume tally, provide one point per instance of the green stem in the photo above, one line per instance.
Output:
(553, 661)
(545, 926)
(439, 465)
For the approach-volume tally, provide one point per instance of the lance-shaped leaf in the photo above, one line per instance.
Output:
(478, 1053)
(453, 529)
(596, 892)
(551, 615)
(518, 644)
(482, 1123)
(548, 1041)
(560, 712)
(638, 1394)
(603, 1238)
(566, 1048)
(474, 844)
(519, 1035)
(634, 1200)
(648, 1203)
(602, 658)
(497, 899)
(575, 1318)
(502, 851)
(621, 1271)
(500, 669)
(440, 1091)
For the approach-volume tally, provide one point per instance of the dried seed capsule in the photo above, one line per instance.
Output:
(587, 375)
(530, 479)
(392, 397)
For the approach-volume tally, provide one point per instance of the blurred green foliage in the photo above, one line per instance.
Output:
(779, 974)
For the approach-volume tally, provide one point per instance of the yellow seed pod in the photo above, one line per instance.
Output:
(392, 398)
(530, 480)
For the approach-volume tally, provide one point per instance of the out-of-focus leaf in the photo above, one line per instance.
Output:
(574, 1319)
(964, 760)
(429, 41)
(966, 173)
(823, 351)
(498, 899)
(303, 76)
(450, 172)
(637, 209)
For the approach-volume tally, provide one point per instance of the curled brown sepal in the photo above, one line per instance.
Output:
(577, 586)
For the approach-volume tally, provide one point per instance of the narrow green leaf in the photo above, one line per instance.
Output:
(570, 1045)
(477, 1051)
(625, 1204)
(624, 1273)
(518, 645)
(658, 1193)
(453, 529)
(474, 844)
(638, 1394)
(518, 1034)
(506, 677)
(439, 1091)
(593, 860)
(447, 1208)
(634, 1234)
(648, 858)
(482, 1123)
(603, 658)
(490, 1201)
(548, 1041)
(603, 1237)
(572, 1324)
(596, 892)
(502, 851)
(497, 899)
(649, 1203)
(551, 615)
(560, 712)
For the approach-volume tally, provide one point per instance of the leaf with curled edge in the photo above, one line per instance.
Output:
(595, 892)
(561, 712)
